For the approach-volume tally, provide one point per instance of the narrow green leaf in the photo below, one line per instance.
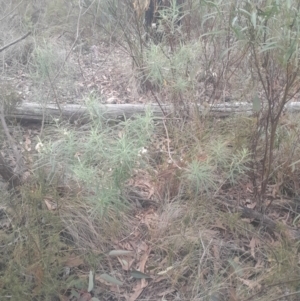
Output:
(253, 19)
(119, 252)
(245, 12)
(234, 20)
(139, 275)
(211, 33)
(296, 220)
(74, 294)
(111, 279)
(256, 104)
(238, 32)
(290, 51)
(91, 282)
(269, 46)
(293, 165)
(225, 52)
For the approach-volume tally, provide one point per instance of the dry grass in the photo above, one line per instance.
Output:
(194, 246)
(177, 205)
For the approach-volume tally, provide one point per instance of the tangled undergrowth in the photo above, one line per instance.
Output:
(152, 214)
(190, 205)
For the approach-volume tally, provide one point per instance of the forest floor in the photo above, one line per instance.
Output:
(170, 245)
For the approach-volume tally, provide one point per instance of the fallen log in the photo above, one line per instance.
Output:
(74, 112)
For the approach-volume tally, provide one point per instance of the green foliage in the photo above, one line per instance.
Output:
(247, 48)
(101, 158)
(46, 61)
(220, 165)
(170, 71)
(201, 177)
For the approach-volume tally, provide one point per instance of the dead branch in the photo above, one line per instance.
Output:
(262, 219)
(16, 41)
(75, 112)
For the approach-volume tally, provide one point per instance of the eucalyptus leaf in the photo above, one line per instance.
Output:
(139, 275)
(256, 104)
(119, 252)
(91, 281)
(253, 19)
(111, 279)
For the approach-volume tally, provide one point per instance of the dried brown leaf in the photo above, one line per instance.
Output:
(51, 205)
(85, 297)
(73, 261)
(126, 263)
(120, 253)
(232, 295)
(252, 246)
(251, 284)
(137, 291)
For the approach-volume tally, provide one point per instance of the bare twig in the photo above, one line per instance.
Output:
(158, 102)
(11, 11)
(62, 66)
(168, 144)
(16, 41)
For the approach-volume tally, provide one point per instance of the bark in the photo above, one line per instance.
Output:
(74, 112)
